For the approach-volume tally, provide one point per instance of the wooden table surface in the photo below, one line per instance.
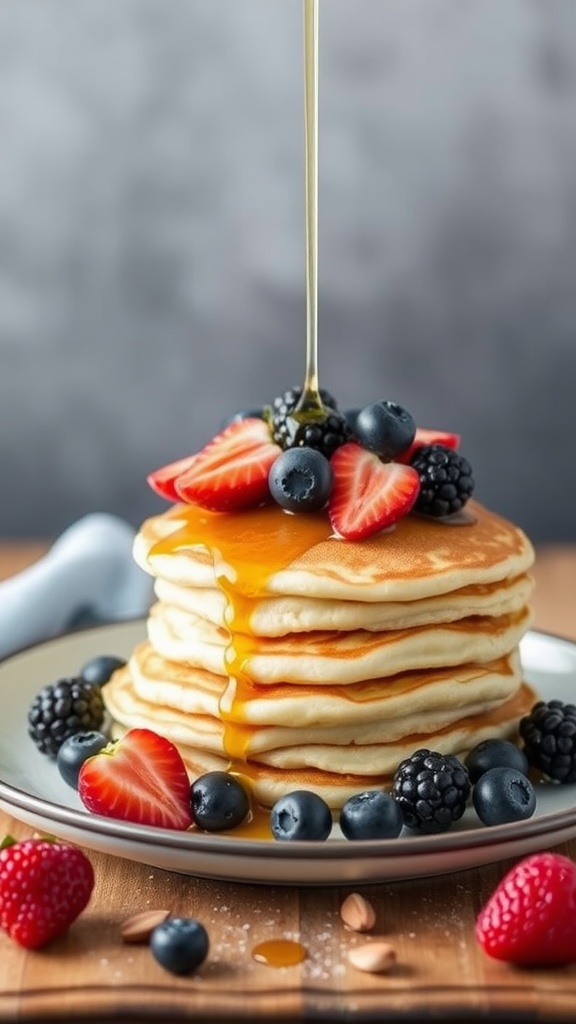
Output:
(441, 973)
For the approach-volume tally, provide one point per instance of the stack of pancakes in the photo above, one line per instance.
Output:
(303, 660)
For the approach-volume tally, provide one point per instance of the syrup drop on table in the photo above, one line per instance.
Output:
(279, 953)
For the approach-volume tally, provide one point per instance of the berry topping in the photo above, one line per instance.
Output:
(502, 795)
(44, 886)
(432, 790)
(219, 801)
(384, 428)
(180, 944)
(368, 495)
(99, 669)
(300, 480)
(301, 815)
(495, 753)
(75, 750)
(446, 481)
(140, 778)
(61, 709)
(549, 735)
(530, 918)
(231, 471)
(242, 467)
(373, 814)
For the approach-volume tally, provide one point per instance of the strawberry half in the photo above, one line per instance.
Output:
(231, 471)
(163, 480)
(367, 494)
(44, 886)
(425, 436)
(530, 918)
(140, 778)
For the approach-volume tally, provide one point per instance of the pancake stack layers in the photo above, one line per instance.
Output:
(302, 660)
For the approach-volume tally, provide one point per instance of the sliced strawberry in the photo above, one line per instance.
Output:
(424, 436)
(367, 494)
(163, 480)
(140, 778)
(232, 470)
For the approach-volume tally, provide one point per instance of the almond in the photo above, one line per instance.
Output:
(357, 913)
(373, 957)
(140, 927)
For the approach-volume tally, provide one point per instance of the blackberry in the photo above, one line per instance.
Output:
(432, 790)
(549, 736)
(446, 481)
(62, 709)
(324, 435)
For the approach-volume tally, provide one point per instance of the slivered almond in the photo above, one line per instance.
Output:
(358, 913)
(373, 957)
(140, 927)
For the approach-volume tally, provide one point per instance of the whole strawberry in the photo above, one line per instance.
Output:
(44, 886)
(530, 919)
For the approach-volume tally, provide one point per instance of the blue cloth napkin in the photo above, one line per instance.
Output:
(88, 576)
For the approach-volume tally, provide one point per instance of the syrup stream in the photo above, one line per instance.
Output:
(310, 406)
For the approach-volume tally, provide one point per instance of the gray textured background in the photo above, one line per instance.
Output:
(152, 250)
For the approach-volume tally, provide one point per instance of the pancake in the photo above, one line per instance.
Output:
(194, 691)
(266, 551)
(332, 657)
(220, 736)
(277, 616)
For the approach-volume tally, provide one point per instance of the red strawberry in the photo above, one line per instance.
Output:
(163, 480)
(141, 778)
(44, 886)
(232, 470)
(424, 436)
(367, 494)
(530, 918)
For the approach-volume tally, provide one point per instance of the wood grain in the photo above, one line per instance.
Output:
(441, 973)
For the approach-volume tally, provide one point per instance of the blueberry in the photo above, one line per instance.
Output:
(301, 815)
(495, 754)
(502, 795)
(219, 801)
(99, 669)
(371, 815)
(385, 428)
(300, 480)
(75, 750)
(180, 944)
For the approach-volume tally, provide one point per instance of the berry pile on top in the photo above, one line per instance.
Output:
(366, 467)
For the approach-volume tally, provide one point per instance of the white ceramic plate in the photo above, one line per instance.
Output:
(33, 792)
